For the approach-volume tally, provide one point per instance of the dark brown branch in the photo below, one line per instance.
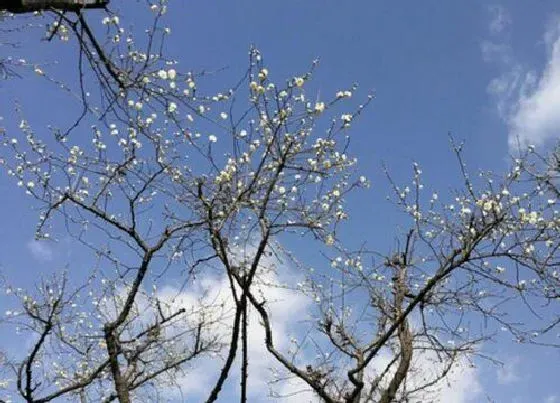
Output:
(30, 6)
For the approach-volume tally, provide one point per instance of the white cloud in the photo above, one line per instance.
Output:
(288, 308)
(552, 399)
(461, 385)
(40, 250)
(527, 100)
(536, 117)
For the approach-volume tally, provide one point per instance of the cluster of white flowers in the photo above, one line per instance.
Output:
(75, 152)
(226, 174)
(489, 204)
(344, 94)
(346, 119)
(319, 107)
(256, 88)
(56, 28)
(110, 20)
(531, 217)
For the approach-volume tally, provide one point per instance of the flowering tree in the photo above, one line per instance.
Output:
(464, 261)
(159, 180)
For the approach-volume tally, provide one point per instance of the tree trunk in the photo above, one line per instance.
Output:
(121, 387)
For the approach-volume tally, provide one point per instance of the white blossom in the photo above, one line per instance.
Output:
(263, 74)
(319, 107)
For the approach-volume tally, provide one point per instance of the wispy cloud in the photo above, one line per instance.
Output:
(500, 19)
(40, 250)
(527, 99)
(508, 372)
(496, 52)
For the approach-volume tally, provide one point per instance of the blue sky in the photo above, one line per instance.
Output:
(488, 73)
